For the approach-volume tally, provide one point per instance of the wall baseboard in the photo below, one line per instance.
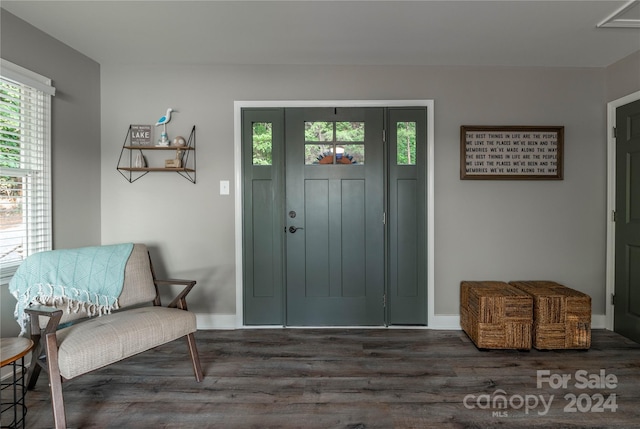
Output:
(216, 321)
(441, 321)
(598, 321)
(445, 322)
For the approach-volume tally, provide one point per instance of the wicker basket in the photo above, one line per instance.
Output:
(562, 316)
(496, 315)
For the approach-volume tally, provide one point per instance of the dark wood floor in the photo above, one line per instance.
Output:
(338, 378)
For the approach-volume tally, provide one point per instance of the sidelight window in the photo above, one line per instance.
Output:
(406, 143)
(262, 143)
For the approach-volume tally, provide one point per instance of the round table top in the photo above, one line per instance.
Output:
(12, 349)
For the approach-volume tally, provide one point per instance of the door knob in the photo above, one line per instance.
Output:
(293, 229)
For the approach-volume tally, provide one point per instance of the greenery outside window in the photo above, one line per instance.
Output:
(25, 166)
(262, 143)
(345, 140)
(406, 143)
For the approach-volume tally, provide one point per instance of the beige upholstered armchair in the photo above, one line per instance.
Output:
(136, 323)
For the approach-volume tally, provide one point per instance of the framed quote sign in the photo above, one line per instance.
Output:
(511, 152)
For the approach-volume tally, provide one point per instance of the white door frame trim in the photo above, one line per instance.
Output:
(611, 202)
(237, 155)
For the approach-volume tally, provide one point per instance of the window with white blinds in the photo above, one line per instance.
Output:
(25, 166)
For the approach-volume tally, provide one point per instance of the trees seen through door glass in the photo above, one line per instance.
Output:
(406, 143)
(323, 140)
(262, 143)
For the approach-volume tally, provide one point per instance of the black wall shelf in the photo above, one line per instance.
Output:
(187, 155)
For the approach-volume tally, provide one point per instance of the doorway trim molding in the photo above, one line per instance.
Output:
(611, 203)
(237, 167)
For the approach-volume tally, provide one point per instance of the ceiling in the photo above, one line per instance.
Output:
(467, 33)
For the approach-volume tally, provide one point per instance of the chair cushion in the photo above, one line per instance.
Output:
(138, 285)
(101, 341)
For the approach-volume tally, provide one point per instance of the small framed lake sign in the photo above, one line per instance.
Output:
(140, 135)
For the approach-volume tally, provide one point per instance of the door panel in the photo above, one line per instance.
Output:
(335, 264)
(263, 242)
(352, 237)
(262, 220)
(633, 183)
(317, 261)
(406, 249)
(627, 235)
(407, 278)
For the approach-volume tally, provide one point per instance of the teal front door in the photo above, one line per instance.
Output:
(334, 213)
(334, 216)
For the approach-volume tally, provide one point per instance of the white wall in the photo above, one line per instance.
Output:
(75, 137)
(503, 230)
(623, 77)
(75, 130)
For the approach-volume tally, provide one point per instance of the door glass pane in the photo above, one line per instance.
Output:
(331, 133)
(318, 154)
(406, 143)
(318, 131)
(353, 154)
(350, 131)
(322, 154)
(262, 142)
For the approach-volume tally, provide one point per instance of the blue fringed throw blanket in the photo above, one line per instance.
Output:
(89, 278)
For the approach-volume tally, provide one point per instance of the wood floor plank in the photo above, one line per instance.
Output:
(347, 378)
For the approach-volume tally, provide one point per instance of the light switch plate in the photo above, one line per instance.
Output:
(224, 187)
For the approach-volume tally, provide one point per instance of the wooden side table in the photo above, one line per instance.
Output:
(14, 411)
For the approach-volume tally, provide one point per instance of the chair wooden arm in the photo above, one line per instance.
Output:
(54, 315)
(39, 357)
(179, 301)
